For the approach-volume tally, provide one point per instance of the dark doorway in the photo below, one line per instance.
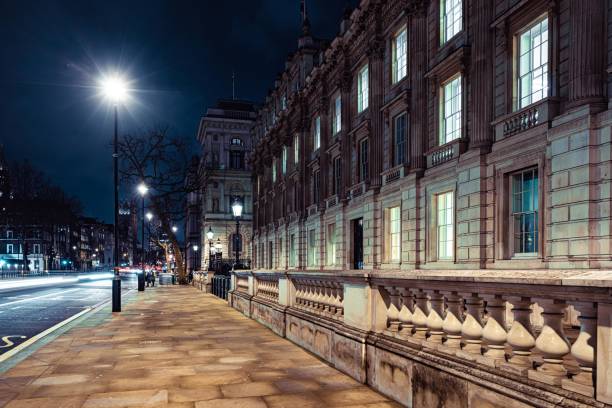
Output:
(358, 243)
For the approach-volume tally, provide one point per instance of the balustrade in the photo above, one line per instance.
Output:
(523, 335)
(267, 287)
(242, 284)
(319, 296)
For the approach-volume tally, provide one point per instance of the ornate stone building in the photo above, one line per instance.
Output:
(459, 152)
(225, 134)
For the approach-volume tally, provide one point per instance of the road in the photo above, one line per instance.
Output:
(27, 312)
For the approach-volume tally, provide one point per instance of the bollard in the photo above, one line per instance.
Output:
(117, 294)
(141, 281)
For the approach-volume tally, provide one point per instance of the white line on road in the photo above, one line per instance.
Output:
(37, 297)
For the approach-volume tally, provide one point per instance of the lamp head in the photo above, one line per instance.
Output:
(149, 216)
(237, 208)
(142, 189)
(114, 88)
(174, 228)
(195, 248)
(209, 234)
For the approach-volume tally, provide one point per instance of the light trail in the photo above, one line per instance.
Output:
(37, 297)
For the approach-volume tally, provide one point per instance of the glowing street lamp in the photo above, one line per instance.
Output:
(174, 228)
(149, 216)
(115, 90)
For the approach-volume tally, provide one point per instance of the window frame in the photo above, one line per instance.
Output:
(296, 149)
(337, 117)
(292, 251)
(364, 162)
(390, 247)
(443, 28)
(516, 54)
(363, 96)
(400, 148)
(512, 214)
(395, 65)
(284, 155)
(439, 256)
(312, 248)
(331, 252)
(316, 134)
(337, 174)
(442, 111)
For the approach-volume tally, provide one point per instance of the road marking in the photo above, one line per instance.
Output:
(8, 342)
(37, 297)
(31, 340)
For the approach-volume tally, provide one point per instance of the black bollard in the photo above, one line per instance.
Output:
(117, 293)
(141, 282)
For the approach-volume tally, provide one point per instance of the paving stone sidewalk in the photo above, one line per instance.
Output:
(177, 347)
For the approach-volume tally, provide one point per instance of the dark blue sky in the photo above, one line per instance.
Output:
(180, 54)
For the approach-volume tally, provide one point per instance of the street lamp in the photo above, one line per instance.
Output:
(149, 216)
(142, 190)
(210, 236)
(174, 228)
(237, 210)
(194, 256)
(115, 90)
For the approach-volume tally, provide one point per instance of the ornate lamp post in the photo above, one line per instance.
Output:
(142, 190)
(210, 236)
(237, 210)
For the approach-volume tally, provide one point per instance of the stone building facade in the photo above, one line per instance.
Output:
(432, 188)
(408, 144)
(225, 135)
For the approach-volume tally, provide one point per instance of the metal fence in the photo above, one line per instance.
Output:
(221, 285)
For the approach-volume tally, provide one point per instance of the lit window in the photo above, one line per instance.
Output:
(284, 102)
(445, 225)
(450, 111)
(399, 59)
(363, 89)
(399, 140)
(337, 121)
(292, 251)
(9, 234)
(312, 248)
(331, 244)
(296, 149)
(363, 160)
(280, 253)
(316, 143)
(9, 249)
(533, 63)
(525, 211)
(451, 15)
(284, 160)
(393, 238)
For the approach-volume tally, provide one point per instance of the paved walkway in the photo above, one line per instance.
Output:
(177, 347)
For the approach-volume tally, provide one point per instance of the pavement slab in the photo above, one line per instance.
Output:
(174, 347)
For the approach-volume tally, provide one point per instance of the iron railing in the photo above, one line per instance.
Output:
(221, 285)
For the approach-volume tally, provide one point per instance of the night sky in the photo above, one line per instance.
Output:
(179, 55)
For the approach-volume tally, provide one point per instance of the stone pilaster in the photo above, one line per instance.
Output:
(587, 55)
(418, 66)
(376, 101)
(481, 76)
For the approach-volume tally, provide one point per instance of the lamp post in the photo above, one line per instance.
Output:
(194, 257)
(142, 190)
(210, 236)
(237, 210)
(115, 90)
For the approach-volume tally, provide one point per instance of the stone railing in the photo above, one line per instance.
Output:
(331, 201)
(319, 296)
(521, 328)
(526, 118)
(393, 174)
(444, 153)
(313, 210)
(542, 337)
(267, 287)
(357, 190)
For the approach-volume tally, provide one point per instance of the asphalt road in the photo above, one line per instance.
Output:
(27, 312)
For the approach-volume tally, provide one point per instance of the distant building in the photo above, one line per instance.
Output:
(226, 140)
(128, 232)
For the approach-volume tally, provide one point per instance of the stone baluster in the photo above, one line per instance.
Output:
(435, 318)
(406, 311)
(339, 299)
(393, 321)
(521, 337)
(471, 329)
(453, 320)
(583, 350)
(326, 291)
(419, 317)
(552, 343)
(494, 331)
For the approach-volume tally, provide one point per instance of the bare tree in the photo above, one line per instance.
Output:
(163, 162)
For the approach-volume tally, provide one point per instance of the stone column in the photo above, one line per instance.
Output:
(417, 67)
(481, 75)
(587, 51)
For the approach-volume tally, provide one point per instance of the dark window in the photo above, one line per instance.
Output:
(316, 193)
(337, 175)
(236, 160)
(525, 211)
(363, 160)
(399, 140)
